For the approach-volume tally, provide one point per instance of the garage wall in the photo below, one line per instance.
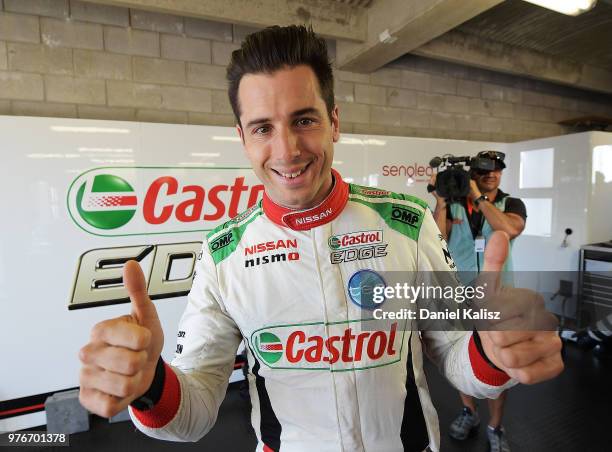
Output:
(64, 58)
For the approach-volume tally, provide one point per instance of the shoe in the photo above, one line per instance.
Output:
(466, 424)
(497, 439)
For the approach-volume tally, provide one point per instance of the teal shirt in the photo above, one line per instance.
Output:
(462, 244)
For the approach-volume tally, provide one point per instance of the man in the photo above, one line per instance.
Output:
(320, 378)
(468, 225)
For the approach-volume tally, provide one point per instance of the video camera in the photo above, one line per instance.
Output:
(453, 180)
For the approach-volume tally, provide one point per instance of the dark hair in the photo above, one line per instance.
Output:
(274, 48)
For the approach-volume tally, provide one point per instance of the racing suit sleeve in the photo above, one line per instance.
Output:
(195, 384)
(455, 352)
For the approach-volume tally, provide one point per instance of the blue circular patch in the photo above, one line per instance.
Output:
(361, 288)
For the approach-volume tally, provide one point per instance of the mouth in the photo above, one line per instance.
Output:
(291, 174)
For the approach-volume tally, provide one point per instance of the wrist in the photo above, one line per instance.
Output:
(477, 201)
(154, 392)
(482, 344)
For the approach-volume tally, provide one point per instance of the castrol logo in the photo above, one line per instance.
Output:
(122, 201)
(334, 347)
(351, 239)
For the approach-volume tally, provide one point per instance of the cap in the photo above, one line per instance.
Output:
(496, 156)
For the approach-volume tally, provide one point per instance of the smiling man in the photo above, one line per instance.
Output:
(288, 134)
(286, 278)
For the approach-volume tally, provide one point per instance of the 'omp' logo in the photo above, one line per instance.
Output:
(335, 346)
(270, 347)
(361, 288)
(106, 201)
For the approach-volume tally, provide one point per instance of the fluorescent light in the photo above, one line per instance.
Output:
(115, 150)
(367, 141)
(88, 129)
(53, 156)
(205, 154)
(226, 139)
(569, 7)
(197, 164)
(114, 161)
(350, 140)
(337, 162)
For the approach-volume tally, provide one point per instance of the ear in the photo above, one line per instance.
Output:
(335, 122)
(240, 133)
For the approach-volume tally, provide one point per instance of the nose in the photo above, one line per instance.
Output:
(286, 145)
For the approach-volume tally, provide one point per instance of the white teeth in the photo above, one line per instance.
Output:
(292, 175)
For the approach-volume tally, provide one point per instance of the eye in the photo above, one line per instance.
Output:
(261, 130)
(305, 122)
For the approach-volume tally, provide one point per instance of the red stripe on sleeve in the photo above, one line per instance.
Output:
(165, 410)
(483, 371)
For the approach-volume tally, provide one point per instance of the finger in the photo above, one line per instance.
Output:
(100, 403)
(541, 370)
(505, 306)
(110, 383)
(541, 320)
(526, 353)
(509, 302)
(506, 324)
(121, 333)
(134, 281)
(115, 359)
(501, 339)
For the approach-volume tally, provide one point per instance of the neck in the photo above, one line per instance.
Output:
(323, 193)
(327, 208)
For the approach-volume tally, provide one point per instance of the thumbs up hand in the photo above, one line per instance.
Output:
(118, 363)
(524, 342)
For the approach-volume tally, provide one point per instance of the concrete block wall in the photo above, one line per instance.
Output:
(415, 96)
(67, 58)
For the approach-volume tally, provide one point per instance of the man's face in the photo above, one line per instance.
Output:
(288, 135)
(487, 180)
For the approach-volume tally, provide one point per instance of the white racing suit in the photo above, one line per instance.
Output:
(319, 380)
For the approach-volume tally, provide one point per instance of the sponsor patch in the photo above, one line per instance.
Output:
(361, 288)
(352, 239)
(335, 347)
(406, 215)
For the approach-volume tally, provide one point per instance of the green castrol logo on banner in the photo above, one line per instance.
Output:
(107, 202)
(122, 201)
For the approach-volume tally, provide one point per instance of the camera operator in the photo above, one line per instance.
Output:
(467, 226)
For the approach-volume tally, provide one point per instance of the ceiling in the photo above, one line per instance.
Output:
(586, 38)
(510, 36)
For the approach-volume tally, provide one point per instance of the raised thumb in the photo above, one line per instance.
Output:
(496, 252)
(495, 256)
(142, 308)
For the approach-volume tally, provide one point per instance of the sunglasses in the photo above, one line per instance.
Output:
(483, 172)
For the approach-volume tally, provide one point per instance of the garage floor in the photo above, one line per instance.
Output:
(570, 413)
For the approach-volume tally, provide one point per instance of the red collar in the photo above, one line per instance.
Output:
(303, 220)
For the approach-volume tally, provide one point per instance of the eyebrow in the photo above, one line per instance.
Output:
(303, 111)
